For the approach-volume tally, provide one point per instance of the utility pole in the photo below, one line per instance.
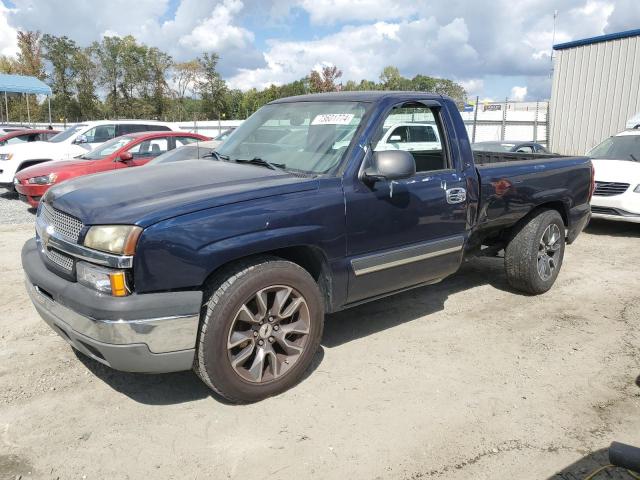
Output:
(553, 41)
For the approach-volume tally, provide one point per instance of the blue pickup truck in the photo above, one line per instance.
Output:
(227, 266)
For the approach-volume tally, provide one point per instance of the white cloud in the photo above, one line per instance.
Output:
(363, 51)
(334, 11)
(8, 43)
(469, 41)
(473, 86)
(518, 93)
(197, 25)
(217, 32)
(625, 16)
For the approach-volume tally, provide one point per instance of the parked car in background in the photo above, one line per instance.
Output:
(617, 175)
(634, 122)
(126, 151)
(74, 141)
(8, 128)
(509, 146)
(24, 136)
(218, 139)
(229, 266)
(410, 136)
(193, 151)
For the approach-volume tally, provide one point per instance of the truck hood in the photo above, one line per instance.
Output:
(624, 171)
(79, 167)
(146, 195)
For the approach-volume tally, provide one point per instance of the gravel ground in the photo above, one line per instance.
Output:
(464, 379)
(12, 210)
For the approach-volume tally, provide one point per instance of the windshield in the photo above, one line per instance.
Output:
(107, 148)
(306, 137)
(190, 152)
(68, 133)
(623, 147)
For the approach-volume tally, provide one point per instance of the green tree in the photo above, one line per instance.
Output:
(8, 65)
(108, 58)
(184, 76)
(324, 80)
(30, 54)
(61, 53)
(86, 73)
(211, 87)
(157, 65)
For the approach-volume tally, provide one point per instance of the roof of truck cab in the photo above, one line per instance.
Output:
(358, 96)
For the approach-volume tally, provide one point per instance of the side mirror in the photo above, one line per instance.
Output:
(81, 139)
(390, 165)
(395, 138)
(125, 157)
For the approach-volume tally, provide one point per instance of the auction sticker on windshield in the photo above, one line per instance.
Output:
(333, 119)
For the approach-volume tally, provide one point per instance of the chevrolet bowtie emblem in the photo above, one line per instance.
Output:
(46, 233)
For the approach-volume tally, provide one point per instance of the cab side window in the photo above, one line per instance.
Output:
(416, 129)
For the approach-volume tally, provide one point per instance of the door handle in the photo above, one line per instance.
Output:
(456, 195)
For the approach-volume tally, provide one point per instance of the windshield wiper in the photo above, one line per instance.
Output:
(216, 155)
(633, 156)
(262, 163)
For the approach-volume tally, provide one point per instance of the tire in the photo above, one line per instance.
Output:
(524, 258)
(247, 310)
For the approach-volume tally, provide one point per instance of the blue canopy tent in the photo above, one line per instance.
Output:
(23, 85)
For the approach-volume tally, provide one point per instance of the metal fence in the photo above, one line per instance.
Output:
(508, 120)
(485, 121)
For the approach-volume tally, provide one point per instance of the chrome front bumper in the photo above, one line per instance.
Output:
(151, 333)
(163, 334)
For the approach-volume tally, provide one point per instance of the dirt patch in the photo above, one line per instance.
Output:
(464, 379)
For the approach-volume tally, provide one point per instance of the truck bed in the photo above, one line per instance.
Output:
(512, 184)
(485, 158)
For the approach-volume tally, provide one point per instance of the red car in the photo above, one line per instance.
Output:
(26, 135)
(130, 150)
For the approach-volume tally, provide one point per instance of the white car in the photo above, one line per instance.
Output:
(74, 141)
(634, 122)
(410, 137)
(616, 162)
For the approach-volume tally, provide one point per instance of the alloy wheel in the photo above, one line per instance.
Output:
(548, 249)
(269, 334)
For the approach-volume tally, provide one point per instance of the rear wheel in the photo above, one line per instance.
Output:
(260, 330)
(533, 257)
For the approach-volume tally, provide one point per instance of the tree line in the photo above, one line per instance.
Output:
(118, 77)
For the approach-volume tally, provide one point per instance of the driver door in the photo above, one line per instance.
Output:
(412, 231)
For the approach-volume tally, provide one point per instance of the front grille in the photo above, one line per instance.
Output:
(63, 223)
(604, 210)
(609, 189)
(59, 259)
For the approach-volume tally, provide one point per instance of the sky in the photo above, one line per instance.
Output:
(494, 48)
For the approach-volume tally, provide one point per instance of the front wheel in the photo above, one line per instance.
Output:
(533, 257)
(260, 329)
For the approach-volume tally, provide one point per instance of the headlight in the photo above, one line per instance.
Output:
(119, 239)
(102, 279)
(6, 156)
(43, 179)
(637, 189)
